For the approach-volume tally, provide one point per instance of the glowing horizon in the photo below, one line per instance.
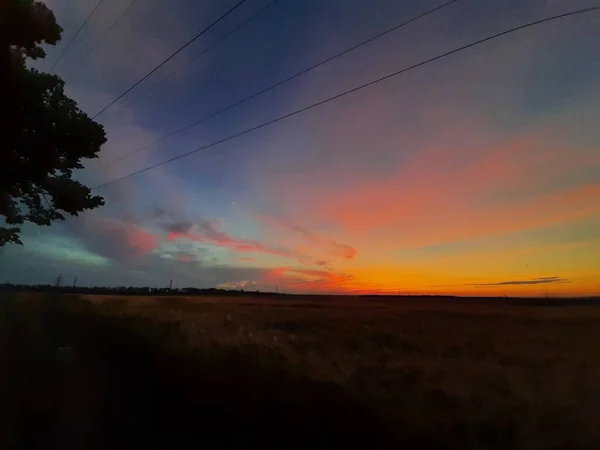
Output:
(478, 175)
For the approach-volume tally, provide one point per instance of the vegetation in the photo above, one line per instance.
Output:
(124, 290)
(286, 372)
(44, 135)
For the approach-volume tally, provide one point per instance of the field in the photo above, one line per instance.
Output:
(297, 372)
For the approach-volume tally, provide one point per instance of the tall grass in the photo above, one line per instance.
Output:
(246, 373)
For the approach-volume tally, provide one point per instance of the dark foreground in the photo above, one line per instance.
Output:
(174, 372)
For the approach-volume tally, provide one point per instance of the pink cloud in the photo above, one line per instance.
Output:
(207, 232)
(310, 280)
(186, 257)
(112, 238)
(134, 236)
(447, 193)
(329, 245)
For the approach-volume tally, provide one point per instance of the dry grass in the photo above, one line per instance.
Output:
(412, 373)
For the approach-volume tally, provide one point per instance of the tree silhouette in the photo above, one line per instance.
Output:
(43, 135)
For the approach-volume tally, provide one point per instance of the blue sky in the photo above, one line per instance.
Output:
(444, 176)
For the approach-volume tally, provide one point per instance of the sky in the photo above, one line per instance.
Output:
(477, 174)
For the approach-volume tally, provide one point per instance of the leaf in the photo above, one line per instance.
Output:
(47, 135)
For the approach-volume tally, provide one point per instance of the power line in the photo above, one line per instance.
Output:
(76, 34)
(47, 201)
(205, 50)
(180, 49)
(279, 83)
(108, 30)
(363, 86)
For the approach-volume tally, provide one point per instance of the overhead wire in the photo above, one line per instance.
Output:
(66, 48)
(100, 39)
(47, 201)
(151, 88)
(358, 88)
(179, 50)
(279, 83)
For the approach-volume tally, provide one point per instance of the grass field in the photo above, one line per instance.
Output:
(294, 372)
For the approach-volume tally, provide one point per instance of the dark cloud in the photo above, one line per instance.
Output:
(112, 238)
(187, 253)
(196, 273)
(157, 211)
(177, 222)
(23, 264)
(208, 232)
(541, 280)
(178, 227)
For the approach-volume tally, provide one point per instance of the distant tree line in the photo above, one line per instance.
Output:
(126, 290)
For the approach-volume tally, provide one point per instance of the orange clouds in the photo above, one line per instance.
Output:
(328, 245)
(475, 198)
(310, 280)
(432, 199)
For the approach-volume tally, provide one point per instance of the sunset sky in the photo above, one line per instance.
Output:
(478, 174)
